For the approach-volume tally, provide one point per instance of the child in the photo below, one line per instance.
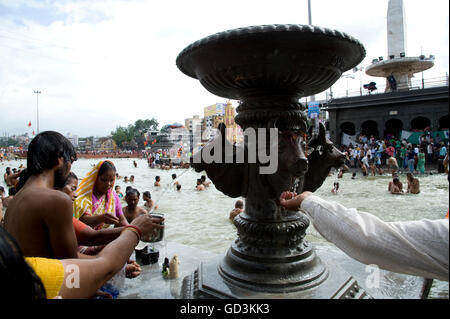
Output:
(157, 180)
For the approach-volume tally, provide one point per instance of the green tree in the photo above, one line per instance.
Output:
(134, 132)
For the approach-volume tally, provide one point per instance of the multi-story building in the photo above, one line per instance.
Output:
(73, 139)
(194, 127)
(213, 116)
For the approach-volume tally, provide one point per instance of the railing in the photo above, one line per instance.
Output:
(415, 85)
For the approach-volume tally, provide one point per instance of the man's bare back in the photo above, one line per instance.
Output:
(40, 219)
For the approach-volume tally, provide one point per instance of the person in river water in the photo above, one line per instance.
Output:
(238, 208)
(200, 186)
(148, 201)
(132, 210)
(413, 184)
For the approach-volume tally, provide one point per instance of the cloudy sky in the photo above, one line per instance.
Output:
(104, 63)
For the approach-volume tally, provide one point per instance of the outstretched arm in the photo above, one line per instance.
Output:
(418, 248)
(93, 273)
(91, 237)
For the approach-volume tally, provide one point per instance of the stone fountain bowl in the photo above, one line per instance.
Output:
(271, 60)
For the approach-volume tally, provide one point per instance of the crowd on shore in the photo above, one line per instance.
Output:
(371, 155)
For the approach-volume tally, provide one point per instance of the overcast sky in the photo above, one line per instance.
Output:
(100, 64)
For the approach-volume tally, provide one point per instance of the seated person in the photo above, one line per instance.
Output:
(203, 178)
(85, 234)
(238, 208)
(200, 186)
(94, 241)
(396, 187)
(97, 203)
(413, 184)
(132, 210)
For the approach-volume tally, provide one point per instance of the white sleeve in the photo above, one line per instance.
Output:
(418, 248)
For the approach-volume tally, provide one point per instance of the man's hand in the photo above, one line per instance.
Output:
(292, 201)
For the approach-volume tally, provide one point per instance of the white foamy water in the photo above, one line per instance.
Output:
(200, 219)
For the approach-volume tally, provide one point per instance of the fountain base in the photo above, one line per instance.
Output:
(207, 283)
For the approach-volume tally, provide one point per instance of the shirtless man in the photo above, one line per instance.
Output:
(132, 210)
(200, 186)
(238, 208)
(157, 180)
(413, 184)
(396, 187)
(43, 228)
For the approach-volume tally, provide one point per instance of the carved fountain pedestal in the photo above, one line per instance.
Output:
(269, 68)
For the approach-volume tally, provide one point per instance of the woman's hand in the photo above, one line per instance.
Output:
(110, 219)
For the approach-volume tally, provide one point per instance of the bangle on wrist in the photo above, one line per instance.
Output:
(134, 231)
(136, 228)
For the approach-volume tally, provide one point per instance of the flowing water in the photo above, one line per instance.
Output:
(201, 219)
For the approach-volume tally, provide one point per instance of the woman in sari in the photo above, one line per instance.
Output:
(421, 162)
(97, 203)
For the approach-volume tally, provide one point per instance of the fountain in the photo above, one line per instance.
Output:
(269, 68)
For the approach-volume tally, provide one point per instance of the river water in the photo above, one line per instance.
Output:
(201, 219)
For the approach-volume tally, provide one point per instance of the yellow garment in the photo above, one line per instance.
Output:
(83, 203)
(51, 273)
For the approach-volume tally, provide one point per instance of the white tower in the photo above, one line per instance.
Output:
(396, 28)
(398, 67)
